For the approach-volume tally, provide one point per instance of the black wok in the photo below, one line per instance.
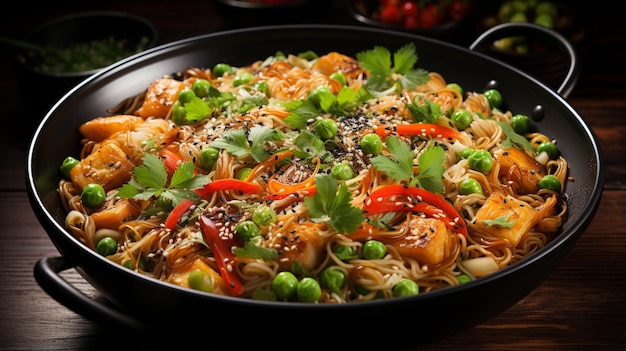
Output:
(136, 302)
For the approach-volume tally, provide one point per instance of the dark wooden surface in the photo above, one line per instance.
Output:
(581, 306)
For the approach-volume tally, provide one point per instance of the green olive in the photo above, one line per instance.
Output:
(480, 160)
(285, 285)
(67, 165)
(405, 287)
(208, 158)
(550, 182)
(326, 128)
(264, 215)
(200, 280)
(494, 97)
(462, 118)
(374, 250)
(106, 246)
(520, 123)
(549, 148)
(470, 186)
(246, 230)
(201, 87)
(93, 195)
(220, 69)
(342, 171)
(308, 290)
(371, 144)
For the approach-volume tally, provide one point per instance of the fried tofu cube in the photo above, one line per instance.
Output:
(108, 166)
(160, 97)
(519, 216)
(103, 127)
(115, 212)
(428, 240)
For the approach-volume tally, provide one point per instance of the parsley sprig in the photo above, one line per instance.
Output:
(240, 142)
(333, 206)
(150, 180)
(400, 165)
(384, 77)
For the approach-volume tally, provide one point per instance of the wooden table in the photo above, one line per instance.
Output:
(581, 306)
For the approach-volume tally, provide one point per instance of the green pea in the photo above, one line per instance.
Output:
(106, 246)
(342, 171)
(463, 278)
(186, 96)
(208, 158)
(462, 118)
(520, 123)
(549, 148)
(264, 215)
(128, 264)
(93, 195)
(374, 250)
(544, 20)
(550, 182)
(67, 165)
(246, 230)
(285, 285)
(470, 186)
(467, 152)
(242, 78)
(221, 69)
(314, 96)
(345, 253)
(308, 290)
(456, 87)
(405, 287)
(179, 114)
(480, 160)
(371, 144)
(333, 279)
(326, 128)
(338, 76)
(494, 97)
(243, 173)
(200, 280)
(201, 87)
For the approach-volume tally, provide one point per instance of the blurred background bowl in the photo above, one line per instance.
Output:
(446, 20)
(90, 40)
(247, 13)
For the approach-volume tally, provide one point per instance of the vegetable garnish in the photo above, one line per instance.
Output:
(236, 141)
(422, 129)
(150, 179)
(400, 167)
(229, 184)
(332, 206)
(224, 257)
(398, 197)
(383, 76)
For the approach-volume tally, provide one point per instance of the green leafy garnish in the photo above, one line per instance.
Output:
(255, 251)
(384, 76)
(236, 141)
(150, 180)
(400, 166)
(514, 139)
(332, 206)
(426, 112)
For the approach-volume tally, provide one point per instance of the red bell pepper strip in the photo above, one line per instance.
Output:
(229, 184)
(171, 160)
(381, 200)
(424, 129)
(177, 213)
(224, 257)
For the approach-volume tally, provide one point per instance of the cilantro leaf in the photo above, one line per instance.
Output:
(428, 112)
(401, 167)
(514, 139)
(332, 206)
(237, 143)
(431, 169)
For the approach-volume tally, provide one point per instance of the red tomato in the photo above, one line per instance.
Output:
(459, 9)
(390, 14)
(410, 9)
(411, 22)
(431, 16)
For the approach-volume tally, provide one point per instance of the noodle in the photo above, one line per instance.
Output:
(265, 136)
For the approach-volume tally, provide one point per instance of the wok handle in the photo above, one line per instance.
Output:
(486, 39)
(47, 275)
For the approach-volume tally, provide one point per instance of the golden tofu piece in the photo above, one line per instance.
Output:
(180, 274)
(160, 98)
(114, 212)
(108, 166)
(428, 240)
(103, 127)
(302, 244)
(508, 209)
(520, 168)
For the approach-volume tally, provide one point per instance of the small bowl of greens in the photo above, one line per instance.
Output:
(57, 55)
